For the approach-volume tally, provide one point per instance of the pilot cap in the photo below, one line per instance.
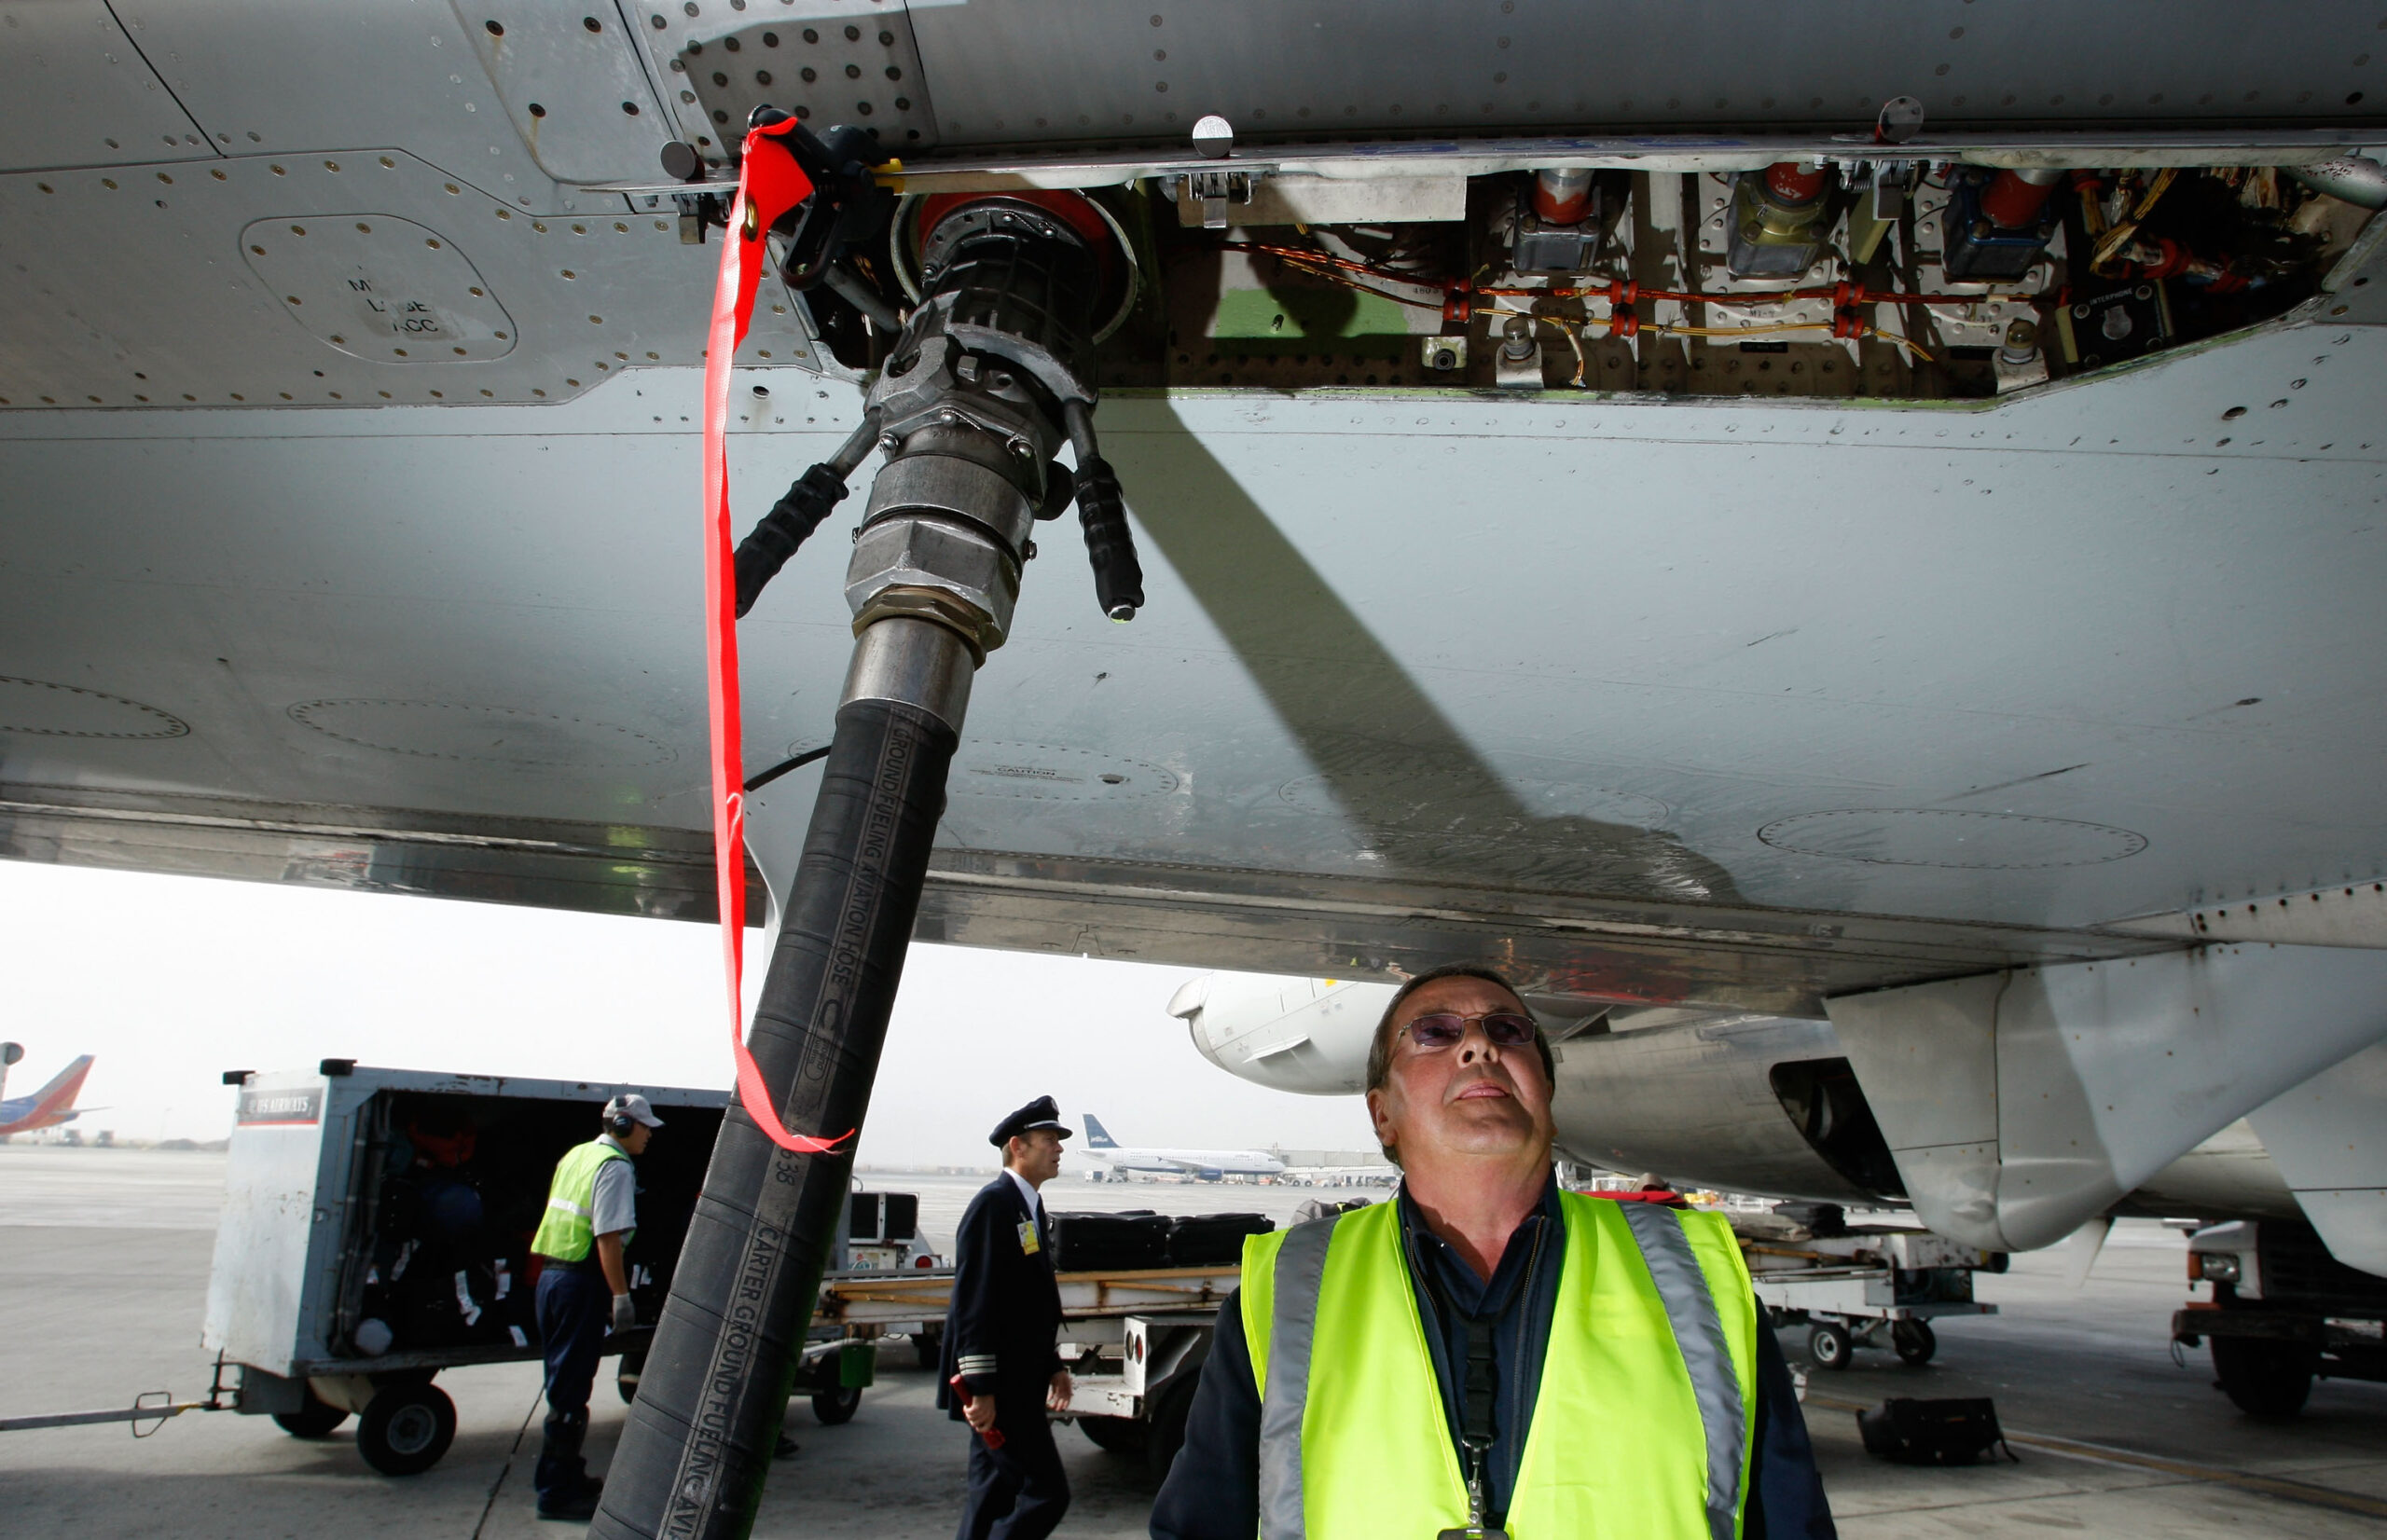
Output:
(634, 1106)
(1041, 1113)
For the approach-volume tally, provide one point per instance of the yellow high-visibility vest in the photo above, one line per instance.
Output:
(1641, 1428)
(568, 1229)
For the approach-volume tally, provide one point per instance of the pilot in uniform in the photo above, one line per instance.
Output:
(1000, 1338)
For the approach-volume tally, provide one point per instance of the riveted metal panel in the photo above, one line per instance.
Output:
(75, 91)
(379, 288)
(1059, 71)
(572, 79)
(2356, 287)
(828, 63)
(290, 76)
(190, 285)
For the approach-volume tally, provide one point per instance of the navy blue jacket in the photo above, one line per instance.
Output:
(1212, 1491)
(1004, 1317)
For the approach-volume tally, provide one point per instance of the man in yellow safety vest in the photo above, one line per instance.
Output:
(584, 1292)
(1485, 1355)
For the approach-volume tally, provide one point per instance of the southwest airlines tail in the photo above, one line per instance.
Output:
(1097, 1136)
(53, 1103)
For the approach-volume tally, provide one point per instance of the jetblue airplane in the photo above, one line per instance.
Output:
(1206, 1164)
(52, 1105)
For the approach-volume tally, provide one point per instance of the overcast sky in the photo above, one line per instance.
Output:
(171, 980)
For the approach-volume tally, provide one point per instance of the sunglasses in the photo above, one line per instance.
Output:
(1443, 1029)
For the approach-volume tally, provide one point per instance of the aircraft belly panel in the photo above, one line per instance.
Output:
(2099, 651)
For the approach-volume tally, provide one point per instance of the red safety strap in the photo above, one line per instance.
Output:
(769, 183)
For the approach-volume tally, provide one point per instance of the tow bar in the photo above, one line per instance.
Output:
(153, 1407)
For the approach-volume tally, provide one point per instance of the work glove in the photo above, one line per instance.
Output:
(625, 1314)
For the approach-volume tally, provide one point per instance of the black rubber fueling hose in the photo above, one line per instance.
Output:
(1003, 339)
(698, 1443)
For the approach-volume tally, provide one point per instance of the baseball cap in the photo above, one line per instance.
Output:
(634, 1106)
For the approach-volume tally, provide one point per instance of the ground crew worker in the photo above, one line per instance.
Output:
(1485, 1352)
(584, 1292)
(1001, 1371)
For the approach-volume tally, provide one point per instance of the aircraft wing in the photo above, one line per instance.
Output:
(1741, 691)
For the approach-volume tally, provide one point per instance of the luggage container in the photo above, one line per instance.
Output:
(1213, 1240)
(1124, 1241)
(376, 1229)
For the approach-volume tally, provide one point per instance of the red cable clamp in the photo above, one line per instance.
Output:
(1845, 323)
(769, 183)
(1623, 321)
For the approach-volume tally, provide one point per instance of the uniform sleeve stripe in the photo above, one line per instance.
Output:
(979, 1363)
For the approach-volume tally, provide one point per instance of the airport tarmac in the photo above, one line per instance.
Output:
(104, 1257)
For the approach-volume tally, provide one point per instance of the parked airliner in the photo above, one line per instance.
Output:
(52, 1105)
(1207, 1165)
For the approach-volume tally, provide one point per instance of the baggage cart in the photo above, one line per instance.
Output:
(1134, 1340)
(1861, 1285)
(376, 1231)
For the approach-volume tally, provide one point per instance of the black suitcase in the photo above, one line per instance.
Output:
(1108, 1243)
(1953, 1431)
(1212, 1240)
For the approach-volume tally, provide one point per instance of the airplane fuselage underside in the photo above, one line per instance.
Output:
(350, 469)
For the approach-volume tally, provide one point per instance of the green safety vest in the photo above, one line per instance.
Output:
(568, 1230)
(1641, 1428)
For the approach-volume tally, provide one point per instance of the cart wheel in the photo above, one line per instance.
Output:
(1166, 1434)
(1914, 1341)
(407, 1428)
(1828, 1345)
(834, 1407)
(315, 1420)
(1115, 1434)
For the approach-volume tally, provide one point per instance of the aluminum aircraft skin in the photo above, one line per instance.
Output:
(350, 366)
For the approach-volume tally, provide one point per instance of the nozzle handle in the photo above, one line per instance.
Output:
(768, 545)
(1109, 545)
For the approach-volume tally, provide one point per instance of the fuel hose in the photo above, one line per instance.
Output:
(699, 1441)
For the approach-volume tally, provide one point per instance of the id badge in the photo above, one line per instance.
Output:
(1470, 1532)
(1029, 1244)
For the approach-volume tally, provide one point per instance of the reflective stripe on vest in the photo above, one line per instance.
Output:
(1641, 1427)
(568, 1229)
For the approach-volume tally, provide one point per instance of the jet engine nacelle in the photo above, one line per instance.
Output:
(1308, 1036)
(1757, 1103)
